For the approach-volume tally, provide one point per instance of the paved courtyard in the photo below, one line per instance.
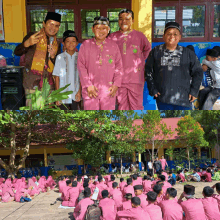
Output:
(40, 208)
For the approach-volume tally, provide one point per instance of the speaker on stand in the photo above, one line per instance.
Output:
(12, 91)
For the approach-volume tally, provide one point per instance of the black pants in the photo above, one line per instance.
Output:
(207, 98)
(73, 106)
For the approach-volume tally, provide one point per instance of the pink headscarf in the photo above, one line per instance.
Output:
(34, 179)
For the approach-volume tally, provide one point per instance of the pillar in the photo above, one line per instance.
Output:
(14, 16)
(139, 159)
(133, 157)
(45, 157)
(199, 153)
(143, 17)
(80, 165)
(23, 164)
(109, 160)
(171, 157)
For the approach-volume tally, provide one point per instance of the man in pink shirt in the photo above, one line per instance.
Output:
(134, 48)
(100, 68)
(147, 184)
(170, 208)
(122, 184)
(153, 210)
(71, 195)
(210, 204)
(128, 188)
(101, 186)
(160, 194)
(65, 189)
(80, 210)
(127, 204)
(116, 195)
(163, 162)
(108, 207)
(138, 191)
(217, 197)
(136, 180)
(192, 207)
(136, 212)
(62, 184)
(165, 183)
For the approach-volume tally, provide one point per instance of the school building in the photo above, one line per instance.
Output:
(54, 153)
(199, 20)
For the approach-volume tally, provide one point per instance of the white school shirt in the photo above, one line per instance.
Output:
(150, 165)
(71, 78)
(215, 71)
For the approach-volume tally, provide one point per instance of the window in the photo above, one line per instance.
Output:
(216, 30)
(162, 15)
(113, 18)
(37, 18)
(193, 21)
(67, 22)
(87, 19)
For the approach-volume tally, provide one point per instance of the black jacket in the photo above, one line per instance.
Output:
(174, 75)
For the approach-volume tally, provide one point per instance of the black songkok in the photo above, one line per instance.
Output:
(69, 33)
(138, 187)
(53, 16)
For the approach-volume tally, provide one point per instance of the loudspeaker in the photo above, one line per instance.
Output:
(12, 91)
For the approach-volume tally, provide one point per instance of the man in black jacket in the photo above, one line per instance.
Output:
(173, 73)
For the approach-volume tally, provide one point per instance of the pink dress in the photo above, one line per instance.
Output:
(64, 193)
(134, 49)
(154, 212)
(80, 210)
(208, 177)
(163, 163)
(171, 210)
(109, 209)
(102, 70)
(62, 184)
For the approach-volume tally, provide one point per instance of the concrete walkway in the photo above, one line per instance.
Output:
(38, 208)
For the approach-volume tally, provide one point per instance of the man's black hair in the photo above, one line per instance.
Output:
(208, 191)
(172, 192)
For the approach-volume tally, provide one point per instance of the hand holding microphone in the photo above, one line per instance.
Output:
(51, 49)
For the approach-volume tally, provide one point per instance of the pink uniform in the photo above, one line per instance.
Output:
(122, 185)
(211, 208)
(217, 197)
(64, 193)
(154, 212)
(171, 210)
(71, 197)
(126, 205)
(109, 209)
(7, 192)
(163, 163)
(102, 69)
(193, 209)
(117, 197)
(32, 188)
(147, 186)
(133, 214)
(134, 49)
(128, 189)
(160, 199)
(143, 199)
(81, 208)
(208, 177)
(101, 186)
(50, 182)
(166, 176)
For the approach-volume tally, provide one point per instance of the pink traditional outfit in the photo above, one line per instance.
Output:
(62, 184)
(133, 213)
(81, 208)
(134, 48)
(101, 186)
(117, 197)
(42, 184)
(171, 210)
(160, 199)
(32, 188)
(128, 189)
(50, 182)
(122, 185)
(109, 209)
(147, 186)
(71, 197)
(208, 177)
(64, 193)
(126, 205)
(211, 208)
(7, 192)
(217, 197)
(99, 66)
(163, 164)
(20, 191)
(166, 175)
(143, 199)
(154, 212)
(193, 209)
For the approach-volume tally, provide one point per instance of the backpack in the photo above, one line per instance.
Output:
(93, 212)
(81, 196)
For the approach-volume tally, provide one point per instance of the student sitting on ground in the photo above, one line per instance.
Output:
(71, 196)
(127, 204)
(208, 176)
(116, 195)
(209, 95)
(136, 212)
(160, 194)
(146, 184)
(179, 177)
(210, 204)
(65, 189)
(153, 210)
(217, 196)
(171, 179)
(194, 177)
(138, 191)
(122, 184)
(128, 188)
(170, 208)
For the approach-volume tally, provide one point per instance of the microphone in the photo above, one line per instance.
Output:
(51, 39)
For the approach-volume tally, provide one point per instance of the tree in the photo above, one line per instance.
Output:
(153, 131)
(16, 125)
(95, 134)
(191, 134)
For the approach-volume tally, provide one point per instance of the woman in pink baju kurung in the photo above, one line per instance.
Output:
(163, 163)
(71, 197)
(42, 184)
(50, 182)
(103, 69)
(7, 192)
(32, 188)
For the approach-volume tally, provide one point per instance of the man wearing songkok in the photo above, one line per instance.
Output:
(81, 208)
(40, 49)
(136, 212)
(210, 204)
(134, 48)
(127, 204)
(65, 71)
(153, 210)
(209, 95)
(100, 68)
(107, 206)
(138, 191)
(173, 73)
(170, 208)
(192, 207)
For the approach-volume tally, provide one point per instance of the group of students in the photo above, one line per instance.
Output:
(137, 198)
(23, 190)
